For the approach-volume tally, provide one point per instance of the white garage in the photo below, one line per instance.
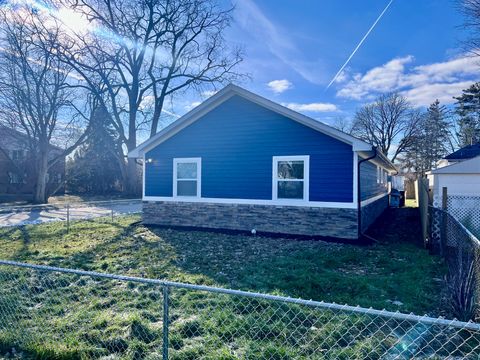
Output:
(460, 178)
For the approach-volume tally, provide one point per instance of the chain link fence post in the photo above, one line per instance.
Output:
(68, 217)
(165, 322)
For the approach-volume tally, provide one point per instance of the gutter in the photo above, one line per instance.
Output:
(359, 194)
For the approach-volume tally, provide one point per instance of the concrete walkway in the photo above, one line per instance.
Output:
(23, 215)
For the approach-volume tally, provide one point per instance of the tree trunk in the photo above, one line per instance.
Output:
(40, 196)
(155, 119)
(132, 187)
(132, 177)
(123, 168)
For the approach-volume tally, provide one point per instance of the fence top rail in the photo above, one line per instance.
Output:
(71, 204)
(311, 303)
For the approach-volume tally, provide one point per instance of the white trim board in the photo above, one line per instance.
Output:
(380, 160)
(226, 93)
(324, 204)
(355, 177)
(373, 199)
(144, 169)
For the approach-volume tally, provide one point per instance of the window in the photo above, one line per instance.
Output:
(14, 178)
(290, 177)
(187, 177)
(17, 155)
(379, 174)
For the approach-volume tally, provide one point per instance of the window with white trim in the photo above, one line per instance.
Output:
(14, 178)
(17, 155)
(379, 170)
(290, 177)
(187, 173)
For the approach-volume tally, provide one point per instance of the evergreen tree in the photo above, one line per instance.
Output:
(468, 111)
(437, 134)
(431, 143)
(95, 168)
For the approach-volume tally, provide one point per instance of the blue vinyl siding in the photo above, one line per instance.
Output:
(368, 181)
(237, 141)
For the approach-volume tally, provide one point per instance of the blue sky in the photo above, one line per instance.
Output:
(298, 46)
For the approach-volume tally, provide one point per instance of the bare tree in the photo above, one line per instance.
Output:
(35, 94)
(343, 124)
(144, 53)
(389, 123)
(471, 11)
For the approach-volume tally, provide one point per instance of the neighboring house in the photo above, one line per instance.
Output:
(459, 172)
(241, 162)
(465, 153)
(17, 174)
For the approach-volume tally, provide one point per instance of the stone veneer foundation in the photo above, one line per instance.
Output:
(372, 211)
(274, 219)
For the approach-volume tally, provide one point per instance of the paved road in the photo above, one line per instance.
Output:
(22, 215)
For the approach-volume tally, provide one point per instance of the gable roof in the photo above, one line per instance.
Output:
(466, 152)
(225, 94)
(470, 166)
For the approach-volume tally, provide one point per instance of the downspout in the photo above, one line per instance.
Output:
(359, 194)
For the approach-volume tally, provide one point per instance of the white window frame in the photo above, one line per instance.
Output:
(379, 172)
(196, 160)
(306, 177)
(14, 178)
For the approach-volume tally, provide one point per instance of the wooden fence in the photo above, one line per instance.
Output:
(423, 199)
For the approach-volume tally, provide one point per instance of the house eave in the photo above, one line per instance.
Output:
(380, 159)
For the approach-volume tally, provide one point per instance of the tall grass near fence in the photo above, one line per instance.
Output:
(58, 313)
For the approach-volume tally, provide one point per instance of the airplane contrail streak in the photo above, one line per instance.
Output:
(360, 44)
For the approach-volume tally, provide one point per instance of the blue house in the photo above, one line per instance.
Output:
(241, 162)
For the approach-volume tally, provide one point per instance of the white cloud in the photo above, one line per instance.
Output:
(312, 107)
(424, 95)
(279, 86)
(192, 105)
(342, 76)
(420, 84)
(209, 93)
(379, 79)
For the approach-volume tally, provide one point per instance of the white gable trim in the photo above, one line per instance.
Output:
(226, 93)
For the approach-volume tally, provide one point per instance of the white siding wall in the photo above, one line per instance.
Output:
(457, 184)
(462, 178)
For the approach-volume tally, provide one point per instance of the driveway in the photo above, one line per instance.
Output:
(23, 215)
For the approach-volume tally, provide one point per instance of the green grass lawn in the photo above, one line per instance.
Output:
(382, 275)
(359, 275)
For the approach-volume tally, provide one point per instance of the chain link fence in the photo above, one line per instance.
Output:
(48, 312)
(466, 209)
(461, 251)
(67, 211)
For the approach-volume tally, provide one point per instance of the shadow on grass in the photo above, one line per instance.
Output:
(376, 275)
(398, 226)
(24, 251)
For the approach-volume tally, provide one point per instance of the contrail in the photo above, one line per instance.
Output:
(359, 44)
